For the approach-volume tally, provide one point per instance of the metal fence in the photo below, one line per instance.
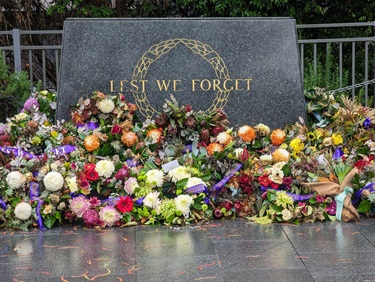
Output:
(23, 57)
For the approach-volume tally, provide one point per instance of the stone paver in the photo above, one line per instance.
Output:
(235, 250)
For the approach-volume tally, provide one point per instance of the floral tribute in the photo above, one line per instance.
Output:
(105, 167)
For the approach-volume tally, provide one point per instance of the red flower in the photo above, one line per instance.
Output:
(188, 108)
(116, 129)
(364, 162)
(287, 181)
(91, 175)
(90, 166)
(244, 179)
(245, 155)
(124, 204)
(83, 182)
(274, 185)
(264, 181)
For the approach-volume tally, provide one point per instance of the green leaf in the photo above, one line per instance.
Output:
(271, 195)
(182, 183)
(276, 208)
(49, 220)
(364, 206)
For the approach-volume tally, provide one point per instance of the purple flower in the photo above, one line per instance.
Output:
(331, 209)
(367, 123)
(122, 173)
(319, 199)
(338, 153)
(30, 103)
(91, 217)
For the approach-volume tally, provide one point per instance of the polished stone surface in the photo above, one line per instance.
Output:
(203, 62)
(235, 250)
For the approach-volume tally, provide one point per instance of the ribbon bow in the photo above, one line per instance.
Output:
(340, 201)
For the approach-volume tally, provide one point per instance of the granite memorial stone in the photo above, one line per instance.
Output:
(248, 66)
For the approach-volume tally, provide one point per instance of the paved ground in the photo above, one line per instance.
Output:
(219, 251)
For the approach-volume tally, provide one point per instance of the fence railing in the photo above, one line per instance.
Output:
(43, 61)
(346, 47)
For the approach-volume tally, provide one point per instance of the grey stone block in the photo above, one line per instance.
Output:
(248, 66)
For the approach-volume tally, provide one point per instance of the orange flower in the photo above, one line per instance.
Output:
(281, 155)
(154, 135)
(224, 138)
(247, 133)
(277, 137)
(214, 147)
(101, 95)
(91, 143)
(129, 138)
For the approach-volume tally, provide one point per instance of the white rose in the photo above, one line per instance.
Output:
(53, 181)
(15, 179)
(23, 211)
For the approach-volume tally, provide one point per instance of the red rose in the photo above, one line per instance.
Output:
(116, 129)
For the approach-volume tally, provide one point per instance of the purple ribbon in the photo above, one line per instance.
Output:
(218, 186)
(139, 202)
(111, 201)
(65, 149)
(17, 152)
(34, 196)
(89, 125)
(74, 195)
(358, 195)
(2, 204)
(62, 150)
(196, 189)
(40, 219)
(295, 197)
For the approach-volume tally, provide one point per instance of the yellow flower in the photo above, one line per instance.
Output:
(297, 145)
(311, 135)
(337, 139)
(54, 133)
(319, 133)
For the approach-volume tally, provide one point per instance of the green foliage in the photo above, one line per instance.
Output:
(14, 90)
(326, 75)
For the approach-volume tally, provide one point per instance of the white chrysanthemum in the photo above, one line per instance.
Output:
(194, 181)
(106, 106)
(53, 181)
(238, 152)
(178, 173)
(130, 185)
(15, 179)
(152, 200)
(263, 129)
(105, 168)
(278, 165)
(183, 203)
(71, 182)
(266, 158)
(23, 211)
(20, 116)
(155, 177)
(224, 138)
(276, 175)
